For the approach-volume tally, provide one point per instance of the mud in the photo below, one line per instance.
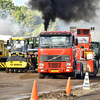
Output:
(19, 85)
(76, 94)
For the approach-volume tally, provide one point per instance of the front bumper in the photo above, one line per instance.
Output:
(16, 64)
(60, 70)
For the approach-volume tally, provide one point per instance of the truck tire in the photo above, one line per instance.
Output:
(21, 70)
(12, 70)
(76, 77)
(52, 76)
(81, 72)
(47, 76)
(25, 70)
(7, 70)
(80, 76)
(16, 70)
(41, 75)
(95, 68)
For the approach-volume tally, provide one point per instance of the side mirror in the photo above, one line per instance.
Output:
(76, 42)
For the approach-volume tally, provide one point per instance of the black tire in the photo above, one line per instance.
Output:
(95, 68)
(25, 70)
(76, 77)
(41, 75)
(21, 70)
(81, 72)
(16, 70)
(12, 70)
(7, 70)
(47, 76)
(52, 76)
(80, 76)
(94, 75)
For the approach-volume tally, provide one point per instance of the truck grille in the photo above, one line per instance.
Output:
(54, 65)
(53, 58)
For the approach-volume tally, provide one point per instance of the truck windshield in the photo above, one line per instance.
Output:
(83, 39)
(17, 46)
(55, 41)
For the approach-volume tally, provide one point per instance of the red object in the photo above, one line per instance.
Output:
(78, 67)
(34, 95)
(68, 86)
(82, 53)
(93, 28)
(57, 66)
(90, 65)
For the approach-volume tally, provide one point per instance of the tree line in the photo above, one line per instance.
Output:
(30, 22)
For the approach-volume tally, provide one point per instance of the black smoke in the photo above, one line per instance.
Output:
(67, 10)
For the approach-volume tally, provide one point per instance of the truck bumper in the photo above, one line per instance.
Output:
(67, 70)
(16, 64)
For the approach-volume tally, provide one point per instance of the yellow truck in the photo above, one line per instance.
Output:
(3, 54)
(17, 60)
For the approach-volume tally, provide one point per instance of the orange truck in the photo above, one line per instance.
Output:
(57, 54)
(85, 52)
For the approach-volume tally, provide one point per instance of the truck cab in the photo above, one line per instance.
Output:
(57, 53)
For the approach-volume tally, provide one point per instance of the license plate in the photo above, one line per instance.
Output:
(54, 70)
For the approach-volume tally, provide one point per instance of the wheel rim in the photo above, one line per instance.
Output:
(81, 74)
(75, 75)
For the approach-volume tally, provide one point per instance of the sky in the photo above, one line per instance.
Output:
(20, 2)
(94, 23)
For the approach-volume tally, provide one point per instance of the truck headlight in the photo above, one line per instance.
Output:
(41, 64)
(68, 64)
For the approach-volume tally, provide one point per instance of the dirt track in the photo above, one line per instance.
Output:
(19, 85)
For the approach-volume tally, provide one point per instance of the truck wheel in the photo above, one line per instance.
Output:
(7, 70)
(21, 70)
(81, 72)
(79, 76)
(53, 76)
(16, 70)
(47, 76)
(41, 75)
(12, 70)
(25, 70)
(95, 66)
(75, 75)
